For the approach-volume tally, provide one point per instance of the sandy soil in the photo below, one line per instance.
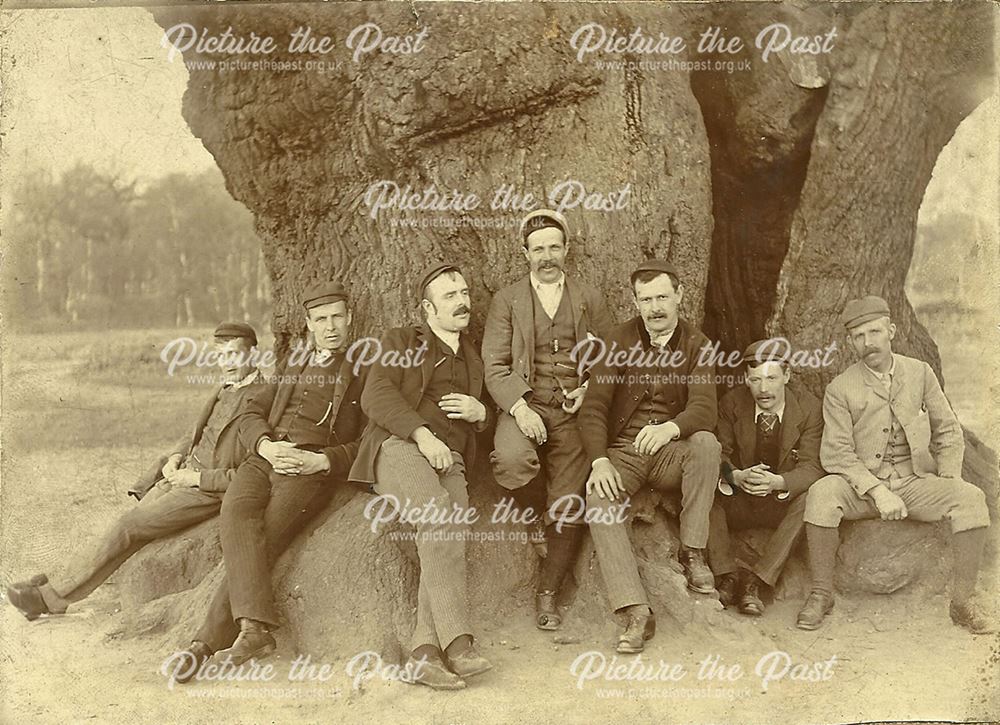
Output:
(76, 431)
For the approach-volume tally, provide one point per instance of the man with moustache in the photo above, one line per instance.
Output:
(770, 434)
(647, 420)
(183, 488)
(304, 427)
(419, 442)
(530, 348)
(894, 449)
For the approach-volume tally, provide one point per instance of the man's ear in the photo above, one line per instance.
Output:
(892, 330)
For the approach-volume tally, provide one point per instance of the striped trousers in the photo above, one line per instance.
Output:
(692, 465)
(402, 472)
(262, 512)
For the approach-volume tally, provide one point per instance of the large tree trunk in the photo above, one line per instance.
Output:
(779, 192)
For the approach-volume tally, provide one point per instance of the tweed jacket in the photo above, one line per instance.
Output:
(857, 413)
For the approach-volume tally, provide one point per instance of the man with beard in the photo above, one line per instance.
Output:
(770, 434)
(304, 427)
(530, 347)
(647, 420)
(419, 442)
(183, 488)
(894, 449)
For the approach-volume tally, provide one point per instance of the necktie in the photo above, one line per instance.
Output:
(766, 422)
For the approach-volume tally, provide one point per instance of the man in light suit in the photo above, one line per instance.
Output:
(530, 351)
(770, 434)
(303, 428)
(894, 449)
(422, 403)
(181, 489)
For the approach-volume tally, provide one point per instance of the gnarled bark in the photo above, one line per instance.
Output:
(779, 192)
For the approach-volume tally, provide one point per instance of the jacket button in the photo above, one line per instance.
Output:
(885, 430)
(878, 455)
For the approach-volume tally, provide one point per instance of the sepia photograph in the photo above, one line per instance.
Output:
(528, 361)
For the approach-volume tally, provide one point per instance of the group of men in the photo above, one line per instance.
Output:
(587, 415)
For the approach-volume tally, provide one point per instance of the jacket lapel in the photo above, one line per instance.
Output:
(873, 382)
(790, 422)
(424, 335)
(340, 387)
(746, 430)
(284, 392)
(524, 317)
(897, 380)
(578, 307)
(206, 412)
(473, 364)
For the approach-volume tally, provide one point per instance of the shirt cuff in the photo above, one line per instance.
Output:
(514, 408)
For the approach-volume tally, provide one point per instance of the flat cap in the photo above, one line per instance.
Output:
(433, 272)
(542, 219)
(323, 293)
(866, 309)
(236, 329)
(773, 349)
(654, 265)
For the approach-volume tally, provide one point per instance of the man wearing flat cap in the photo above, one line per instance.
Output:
(420, 440)
(182, 488)
(770, 434)
(530, 350)
(647, 421)
(303, 427)
(894, 449)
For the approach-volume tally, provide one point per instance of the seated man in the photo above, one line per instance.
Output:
(533, 330)
(647, 422)
(418, 444)
(770, 436)
(894, 448)
(182, 489)
(304, 428)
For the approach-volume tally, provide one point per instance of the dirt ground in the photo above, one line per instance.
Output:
(80, 421)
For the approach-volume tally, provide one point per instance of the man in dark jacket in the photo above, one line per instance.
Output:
(182, 488)
(647, 421)
(304, 427)
(770, 435)
(420, 440)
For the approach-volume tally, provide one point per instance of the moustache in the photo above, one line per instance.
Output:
(463, 310)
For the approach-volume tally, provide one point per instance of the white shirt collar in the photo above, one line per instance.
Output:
(538, 284)
(780, 411)
(882, 376)
(241, 383)
(661, 338)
